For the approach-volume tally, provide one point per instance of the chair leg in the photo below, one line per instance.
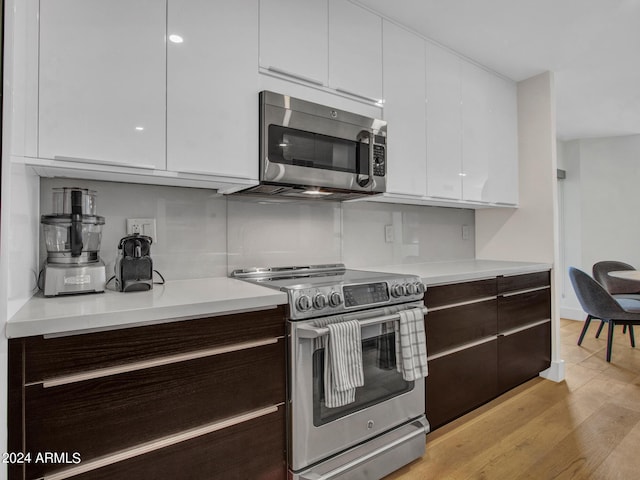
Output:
(632, 337)
(584, 329)
(600, 329)
(612, 324)
(624, 329)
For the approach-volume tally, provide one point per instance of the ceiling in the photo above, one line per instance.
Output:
(592, 46)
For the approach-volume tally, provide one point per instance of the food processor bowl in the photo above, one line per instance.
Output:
(64, 198)
(69, 242)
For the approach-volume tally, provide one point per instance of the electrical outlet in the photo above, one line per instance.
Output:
(466, 232)
(388, 233)
(143, 226)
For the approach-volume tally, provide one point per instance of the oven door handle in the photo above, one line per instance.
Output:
(308, 331)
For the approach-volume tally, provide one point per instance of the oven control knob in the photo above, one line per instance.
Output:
(410, 288)
(397, 290)
(319, 301)
(335, 299)
(303, 303)
(421, 287)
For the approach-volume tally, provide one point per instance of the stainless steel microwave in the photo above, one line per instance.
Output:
(310, 150)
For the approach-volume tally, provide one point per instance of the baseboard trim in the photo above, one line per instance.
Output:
(555, 372)
(572, 313)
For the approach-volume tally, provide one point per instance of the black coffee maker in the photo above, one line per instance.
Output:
(134, 267)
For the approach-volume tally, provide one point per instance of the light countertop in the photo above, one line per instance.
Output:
(184, 299)
(177, 299)
(434, 273)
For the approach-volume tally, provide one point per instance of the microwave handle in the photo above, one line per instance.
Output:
(365, 181)
(307, 331)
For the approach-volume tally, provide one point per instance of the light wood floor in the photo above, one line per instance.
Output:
(587, 427)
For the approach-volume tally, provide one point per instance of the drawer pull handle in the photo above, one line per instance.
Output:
(529, 290)
(131, 367)
(296, 76)
(160, 443)
(103, 162)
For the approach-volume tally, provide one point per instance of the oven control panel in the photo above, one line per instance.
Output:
(309, 302)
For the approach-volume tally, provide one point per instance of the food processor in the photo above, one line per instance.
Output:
(72, 235)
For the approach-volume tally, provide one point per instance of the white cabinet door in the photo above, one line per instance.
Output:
(293, 38)
(212, 87)
(355, 50)
(503, 142)
(444, 124)
(102, 81)
(476, 131)
(404, 110)
(490, 137)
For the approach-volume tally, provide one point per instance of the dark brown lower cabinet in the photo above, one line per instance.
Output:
(484, 337)
(249, 450)
(460, 382)
(523, 355)
(147, 405)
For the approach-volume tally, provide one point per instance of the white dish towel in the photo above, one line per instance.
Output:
(343, 371)
(411, 344)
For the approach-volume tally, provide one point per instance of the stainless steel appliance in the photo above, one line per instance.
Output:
(134, 266)
(72, 235)
(309, 150)
(385, 427)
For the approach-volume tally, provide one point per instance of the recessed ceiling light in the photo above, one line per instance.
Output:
(175, 38)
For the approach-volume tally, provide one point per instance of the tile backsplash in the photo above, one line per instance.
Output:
(202, 234)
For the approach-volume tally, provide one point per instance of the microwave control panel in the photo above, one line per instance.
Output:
(379, 160)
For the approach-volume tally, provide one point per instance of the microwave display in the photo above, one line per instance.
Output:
(305, 149)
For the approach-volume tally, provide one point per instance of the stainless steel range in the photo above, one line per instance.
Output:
(382, 426)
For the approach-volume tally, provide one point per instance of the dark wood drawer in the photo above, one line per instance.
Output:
(103, 415)
(51, 357)
(460, 382)
(250, 450)
(455, 326)
(523, 355)
(513, 283)
(459, 292)
(523, 308)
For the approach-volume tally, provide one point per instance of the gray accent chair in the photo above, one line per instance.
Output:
(618, 287)
(598, 303)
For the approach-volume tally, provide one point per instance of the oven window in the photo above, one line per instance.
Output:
(305, 149)
(381, 379)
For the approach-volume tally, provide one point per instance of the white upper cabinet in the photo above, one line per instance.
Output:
(404, 110)
(444, 124)
(489, 139)
(476, 127)
(293, 38)
(212, 87)
(355, 50)
(503, 142)
(332, 44)
(102, 81)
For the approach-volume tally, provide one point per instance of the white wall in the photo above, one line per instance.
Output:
(570, 212)
(530, 232)
(601, 195)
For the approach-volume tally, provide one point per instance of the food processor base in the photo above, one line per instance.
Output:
(65, 279)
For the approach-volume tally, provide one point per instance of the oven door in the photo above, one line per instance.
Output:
(302, 144)
(385, 402)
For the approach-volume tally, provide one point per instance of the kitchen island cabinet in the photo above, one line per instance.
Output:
(484, 337)
(200, 398)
